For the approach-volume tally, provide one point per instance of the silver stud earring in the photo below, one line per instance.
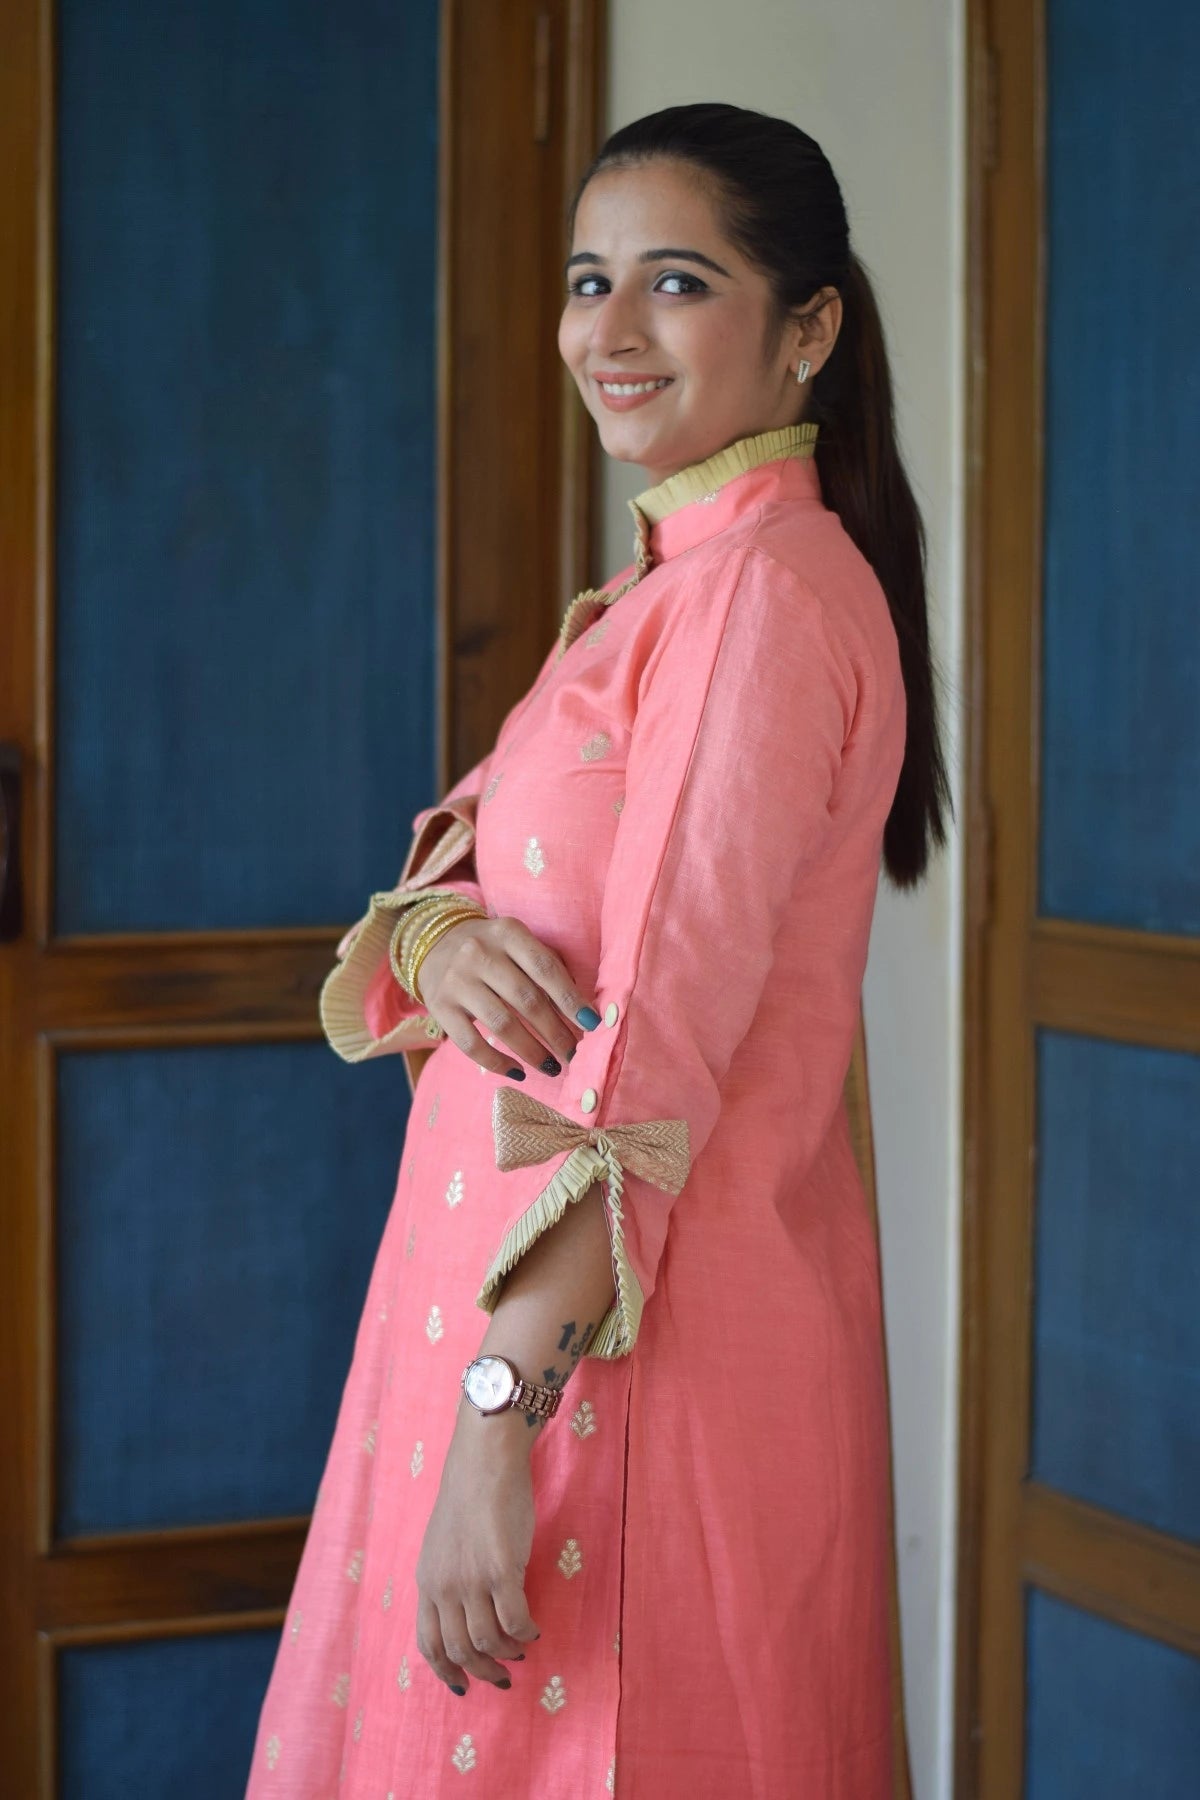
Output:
(802, 371)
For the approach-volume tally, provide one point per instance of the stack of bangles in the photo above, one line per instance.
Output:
(418, 931)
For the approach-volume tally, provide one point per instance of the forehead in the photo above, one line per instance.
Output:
(626, 210)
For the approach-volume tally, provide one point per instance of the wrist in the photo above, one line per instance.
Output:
(510, 1432)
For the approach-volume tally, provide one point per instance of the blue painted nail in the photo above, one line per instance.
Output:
(588, 1017)
(515, 1074)
(550, 1065)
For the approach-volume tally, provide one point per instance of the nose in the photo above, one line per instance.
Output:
(617, 326)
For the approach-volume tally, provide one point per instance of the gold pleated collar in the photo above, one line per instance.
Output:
(698, 481)
(701, 479)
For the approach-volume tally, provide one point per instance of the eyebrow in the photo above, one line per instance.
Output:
(649, 256)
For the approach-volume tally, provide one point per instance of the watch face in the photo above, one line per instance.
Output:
(489, 1383)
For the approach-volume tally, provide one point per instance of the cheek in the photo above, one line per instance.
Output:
(571, 340)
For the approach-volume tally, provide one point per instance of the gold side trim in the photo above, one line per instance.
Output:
(584, 1166)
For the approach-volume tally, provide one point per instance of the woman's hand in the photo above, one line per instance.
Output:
(496, 971)
(471, 1570)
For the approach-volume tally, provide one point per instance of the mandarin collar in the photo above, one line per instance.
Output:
(703, 498)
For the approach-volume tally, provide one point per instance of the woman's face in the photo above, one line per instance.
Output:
(658, 294)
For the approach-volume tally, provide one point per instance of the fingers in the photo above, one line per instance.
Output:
(520, 992)
(455, 1646)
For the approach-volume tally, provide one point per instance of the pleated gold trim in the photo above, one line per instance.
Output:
(587, 1163)
(737, 458)
(344, 990)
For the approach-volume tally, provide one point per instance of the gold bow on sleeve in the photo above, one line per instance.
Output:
(526, 1131)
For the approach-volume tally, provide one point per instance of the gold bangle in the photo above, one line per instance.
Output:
(412, 923)
(427, 938)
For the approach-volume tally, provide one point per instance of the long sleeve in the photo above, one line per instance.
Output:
(744, 706)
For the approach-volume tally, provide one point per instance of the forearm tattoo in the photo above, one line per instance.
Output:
(572, 1343)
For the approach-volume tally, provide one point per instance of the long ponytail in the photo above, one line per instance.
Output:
(782, 206)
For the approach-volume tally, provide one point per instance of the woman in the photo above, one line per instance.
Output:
(659, 1568)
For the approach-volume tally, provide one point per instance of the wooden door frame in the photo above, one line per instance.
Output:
(1023, 972)
(521, 103)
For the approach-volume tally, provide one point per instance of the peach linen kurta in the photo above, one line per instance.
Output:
(688, 805)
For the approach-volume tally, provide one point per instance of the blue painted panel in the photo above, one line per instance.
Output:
(1120, 824)
(244, 457)
(169, 1720)
(218, 1215)
(1110, 1715)
(1116, 1383)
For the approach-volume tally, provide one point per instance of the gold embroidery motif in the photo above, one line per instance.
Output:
(491, 787)
(597, 746)
(434, 1329)
(583, 1420)
(418, 1459)
(387, 1595)
(341, 1690)
(454, 1192)
(597, 636)
(431, 1121)
(617, 1642)
(619, 803)
(354, 1567)
(570, 1561)
(404, 1679)
(297, 1621)
(535, 862)
(371, 1438)
(464, 1755)
(412, 1238)
(610, 1780)
(273, 1748)
(358, 1725)
(554, 1694)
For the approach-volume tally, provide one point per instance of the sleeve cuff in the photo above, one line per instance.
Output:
(344, 993)
(526, 1131)
(443, 840)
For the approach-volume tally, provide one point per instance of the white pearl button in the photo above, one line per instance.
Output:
(612, 1013)
(587, 1100)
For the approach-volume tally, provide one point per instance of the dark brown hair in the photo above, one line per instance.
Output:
(780, 204)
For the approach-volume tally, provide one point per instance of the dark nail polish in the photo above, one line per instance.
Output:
(515, 1074)
(571, 1051)
(588, 1017)
(520, 1658)
(504, 1684)
(551, 1065)
(457, 1690)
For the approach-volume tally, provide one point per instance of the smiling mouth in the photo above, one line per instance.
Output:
(619, 388)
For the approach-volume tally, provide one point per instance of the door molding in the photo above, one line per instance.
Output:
(521, 101)
(1022, 971)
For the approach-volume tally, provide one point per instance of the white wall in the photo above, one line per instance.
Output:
(882, 90)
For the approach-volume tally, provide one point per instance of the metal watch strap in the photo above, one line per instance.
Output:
(533, 1397)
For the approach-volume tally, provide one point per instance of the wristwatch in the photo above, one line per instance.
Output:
(491, 1384)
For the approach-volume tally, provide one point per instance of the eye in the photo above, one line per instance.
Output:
(693, 283)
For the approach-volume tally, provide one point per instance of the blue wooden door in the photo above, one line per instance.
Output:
(236, 719)
(1088, 1646)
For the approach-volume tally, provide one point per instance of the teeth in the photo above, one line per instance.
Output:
(633, 387)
